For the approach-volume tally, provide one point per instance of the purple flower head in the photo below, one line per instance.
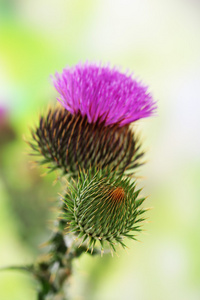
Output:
(103, 93)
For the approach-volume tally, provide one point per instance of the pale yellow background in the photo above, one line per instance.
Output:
(160, 42)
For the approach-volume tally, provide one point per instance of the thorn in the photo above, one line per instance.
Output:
(54, 182)
(117, 254)
(45, 244)
(148, 208)
(111, 252)
(127, 249)
(43, 175)
(59, 194)
(80, 244)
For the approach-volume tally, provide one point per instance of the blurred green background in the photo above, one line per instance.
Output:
(158, 40)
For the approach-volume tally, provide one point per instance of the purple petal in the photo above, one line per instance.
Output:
(103, 93)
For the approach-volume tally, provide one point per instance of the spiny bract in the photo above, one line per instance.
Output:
(69, 141)
(103, 207)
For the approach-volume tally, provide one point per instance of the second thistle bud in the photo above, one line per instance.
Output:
(103, 207)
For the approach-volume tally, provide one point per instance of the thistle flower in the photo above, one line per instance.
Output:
(103, 94)
(89, 138)
(93, 127)
(103, 208)
(69, 142)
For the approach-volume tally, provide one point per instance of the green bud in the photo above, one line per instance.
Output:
(104, 207)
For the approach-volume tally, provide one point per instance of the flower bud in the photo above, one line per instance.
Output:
(69, 141)
(104, 207)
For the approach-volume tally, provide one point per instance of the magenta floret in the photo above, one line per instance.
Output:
(103, 93)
